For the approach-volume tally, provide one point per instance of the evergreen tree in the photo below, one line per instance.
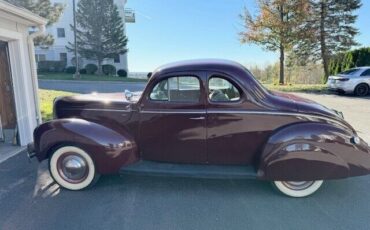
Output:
(100, 32)
(330, 30)
(45, 9)
(275, 27)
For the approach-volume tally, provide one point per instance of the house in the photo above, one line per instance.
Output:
(63, 34)
(19, 108)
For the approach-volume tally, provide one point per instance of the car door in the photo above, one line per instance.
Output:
(233, 135)
(172, 119)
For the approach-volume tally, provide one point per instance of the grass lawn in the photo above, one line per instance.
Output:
(47, 96)
(46, 102)
(87, 77)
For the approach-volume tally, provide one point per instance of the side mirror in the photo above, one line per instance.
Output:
(128, 94)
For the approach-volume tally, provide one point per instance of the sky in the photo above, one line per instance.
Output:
(173, 30)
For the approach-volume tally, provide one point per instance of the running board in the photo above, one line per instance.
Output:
(190, 170)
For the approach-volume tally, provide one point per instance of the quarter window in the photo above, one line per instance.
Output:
(177, 89)
(221, 90)
(366, 73)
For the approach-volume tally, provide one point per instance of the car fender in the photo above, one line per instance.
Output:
(109, 148)
(309, 151)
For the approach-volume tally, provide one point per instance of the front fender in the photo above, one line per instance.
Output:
(110, 149)
(313, 151)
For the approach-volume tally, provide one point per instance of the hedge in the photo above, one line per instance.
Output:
(348, 60)
(50, 66)
(122, 73)
(109, 69)
(71, 69)
(91, 68)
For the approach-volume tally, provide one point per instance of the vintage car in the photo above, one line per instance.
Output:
(203, 118)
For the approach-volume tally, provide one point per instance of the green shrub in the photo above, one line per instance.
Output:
(109, 69)
(51, 66)
(91, 68)
(71, 69)
(83, 71)
(122, 73)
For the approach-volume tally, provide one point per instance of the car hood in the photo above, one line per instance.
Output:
(93, 101)
(304, 105)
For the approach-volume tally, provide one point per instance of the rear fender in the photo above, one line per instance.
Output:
(110, 149)
(308, 151)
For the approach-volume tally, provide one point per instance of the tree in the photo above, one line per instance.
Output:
(276, 27)
(100, 32)
(45, 9)
(330, 30)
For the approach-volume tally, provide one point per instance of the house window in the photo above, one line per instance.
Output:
(61, 33)
(117, 59)
(63, 57)
(40, 57)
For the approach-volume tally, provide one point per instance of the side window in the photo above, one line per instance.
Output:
(366, 73)
(177, 89)
(221, 90)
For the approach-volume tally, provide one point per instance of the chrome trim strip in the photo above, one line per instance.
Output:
(274, 113)
(251, 112)
(107, 110)
(174, 111)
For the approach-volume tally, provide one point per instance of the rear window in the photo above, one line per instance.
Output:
(349, 72)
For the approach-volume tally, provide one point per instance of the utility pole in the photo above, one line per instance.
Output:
(77, 74)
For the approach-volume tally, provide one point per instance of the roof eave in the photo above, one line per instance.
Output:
(28, 18)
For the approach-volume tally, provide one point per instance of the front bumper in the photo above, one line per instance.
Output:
(31, 150)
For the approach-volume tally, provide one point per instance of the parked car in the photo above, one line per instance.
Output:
(356, 80)
(205, 118)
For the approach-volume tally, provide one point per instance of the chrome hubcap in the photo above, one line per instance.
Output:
(298, 185)
(74, 168)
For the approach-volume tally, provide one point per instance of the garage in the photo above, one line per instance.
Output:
(19, 109)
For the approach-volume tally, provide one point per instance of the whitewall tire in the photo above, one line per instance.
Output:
(72, 168)
(298, 188)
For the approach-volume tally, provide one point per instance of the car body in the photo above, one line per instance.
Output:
(356, 80)
(202, 118)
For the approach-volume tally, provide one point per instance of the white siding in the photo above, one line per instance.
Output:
(52, 53)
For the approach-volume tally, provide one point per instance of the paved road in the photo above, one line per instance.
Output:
(88, 87)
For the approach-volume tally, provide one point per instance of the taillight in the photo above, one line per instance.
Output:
(343, 79)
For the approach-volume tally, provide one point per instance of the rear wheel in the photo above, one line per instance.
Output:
(362, 90)
(72, 168)
(298, 188)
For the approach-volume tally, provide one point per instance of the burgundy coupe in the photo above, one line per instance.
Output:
(204, 118)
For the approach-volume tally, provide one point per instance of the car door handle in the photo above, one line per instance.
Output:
(197, 118)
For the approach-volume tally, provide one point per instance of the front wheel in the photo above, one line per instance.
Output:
(298, 188)
(72, 168)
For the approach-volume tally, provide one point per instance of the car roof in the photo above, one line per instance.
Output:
(201, 64)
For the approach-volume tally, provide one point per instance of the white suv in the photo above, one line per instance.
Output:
(356, 80)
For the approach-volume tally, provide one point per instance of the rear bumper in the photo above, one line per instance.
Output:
(342, 88)
(31, 150)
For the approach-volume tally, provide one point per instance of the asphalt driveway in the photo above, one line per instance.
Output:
(29, 199)
(356, 110)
